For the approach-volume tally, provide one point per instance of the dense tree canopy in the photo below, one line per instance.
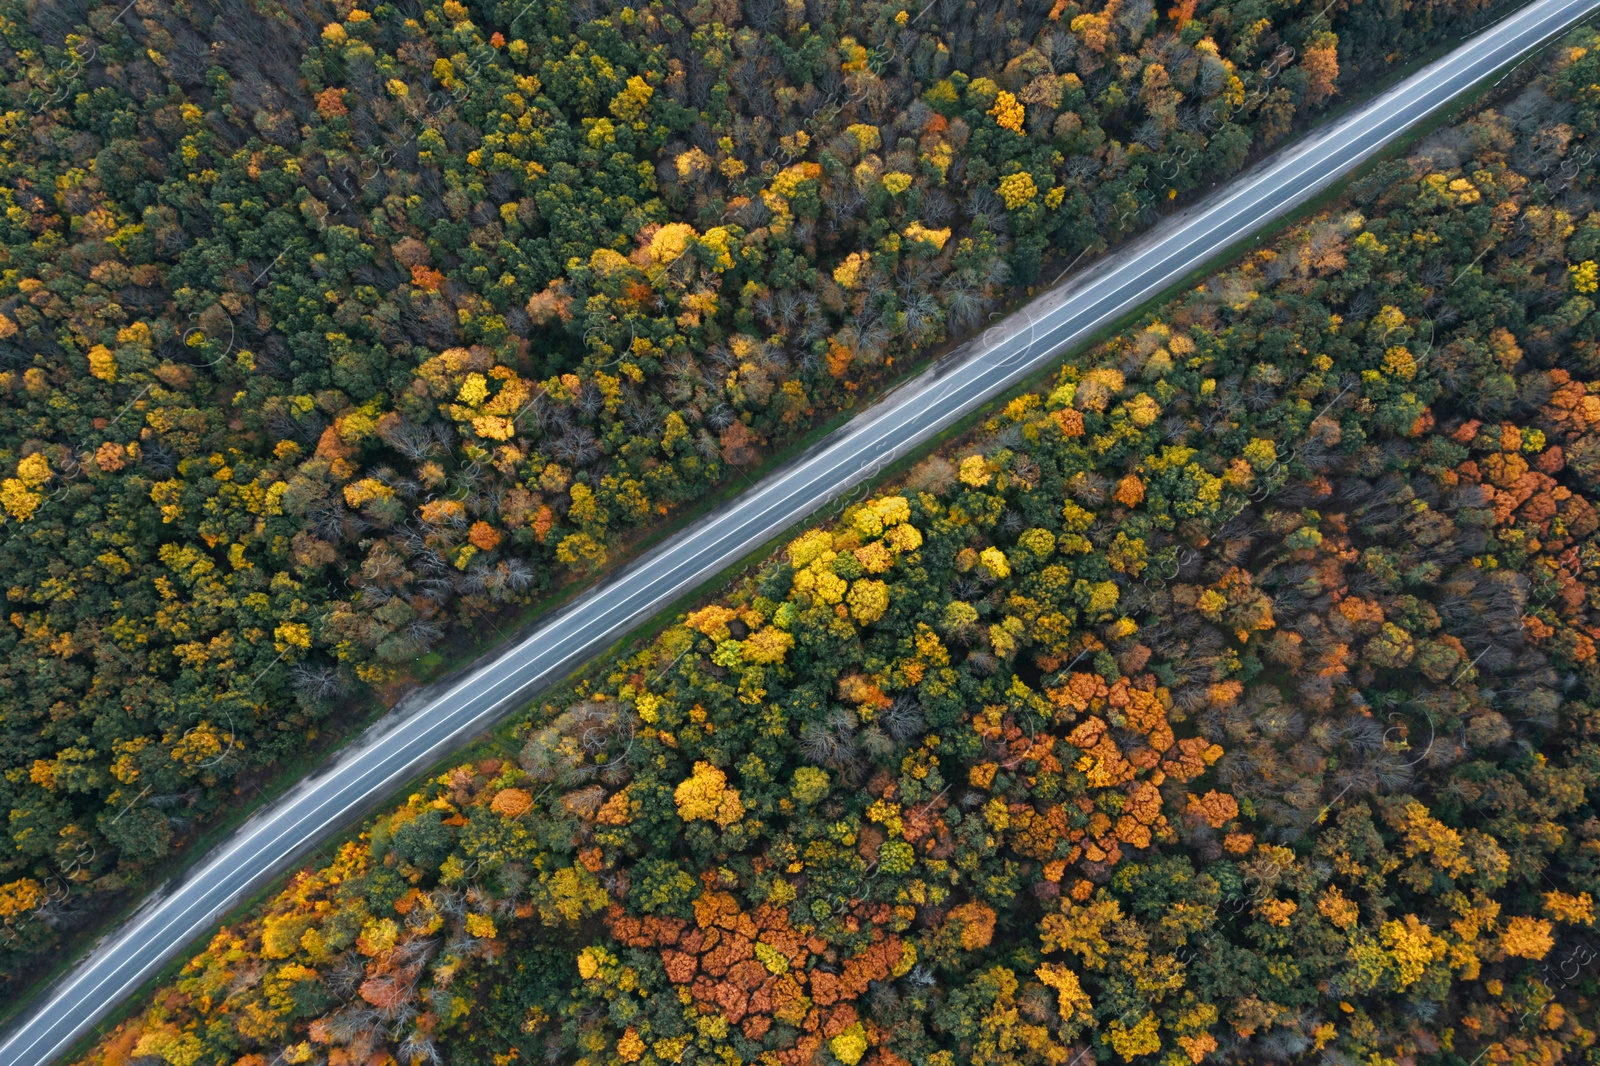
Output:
(323, 329)
(1233, 697)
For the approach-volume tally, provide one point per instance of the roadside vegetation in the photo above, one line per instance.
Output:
(1232, 697)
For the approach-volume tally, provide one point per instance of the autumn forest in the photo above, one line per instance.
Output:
(1224, 697)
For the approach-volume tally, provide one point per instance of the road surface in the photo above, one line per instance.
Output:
(412, 738)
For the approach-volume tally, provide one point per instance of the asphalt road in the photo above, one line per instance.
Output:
(420, 733)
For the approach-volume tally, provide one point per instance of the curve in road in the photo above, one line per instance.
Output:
(400, 746)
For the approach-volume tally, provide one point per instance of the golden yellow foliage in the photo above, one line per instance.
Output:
(712, 621)
(974, 472)
(1008, 113)
(631, 1047)
(921, 234)
(20, 897)
(868, 600)
(850, 1045)
(848, 273)
(808, 546)
(1574, 910)
(1139, 1039)
(34, 470)
(1080, 927)
(993, 560)
(1071, 999)
(705, 796)
(1276, 911)
(1526, 938)
(102, 364)
(377, 936)
(767, 646)
(1333, 905)
(1413, 947)
(1017, 189)
(671, 241)
(976, 923)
